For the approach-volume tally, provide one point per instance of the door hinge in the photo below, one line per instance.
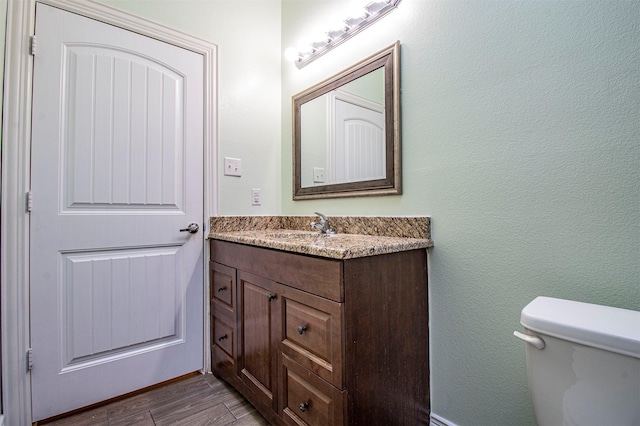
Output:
(29, 202)
(29, 359)
(32, 49)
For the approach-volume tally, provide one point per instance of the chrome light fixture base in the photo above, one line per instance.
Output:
(352, 25)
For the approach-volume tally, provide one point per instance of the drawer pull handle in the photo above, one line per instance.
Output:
(221, 338)
(221, 289)
(271, 297)
(304, 406)
(302, 329)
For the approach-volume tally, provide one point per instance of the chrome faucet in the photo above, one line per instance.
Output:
(322, 226)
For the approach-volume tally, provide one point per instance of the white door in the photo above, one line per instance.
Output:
(359, 143)
(117, 147)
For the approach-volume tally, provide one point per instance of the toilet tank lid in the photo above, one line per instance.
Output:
(604, 327)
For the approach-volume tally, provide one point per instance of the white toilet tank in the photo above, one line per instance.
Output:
(583, 363)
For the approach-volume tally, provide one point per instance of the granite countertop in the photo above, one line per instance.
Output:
(355, 236)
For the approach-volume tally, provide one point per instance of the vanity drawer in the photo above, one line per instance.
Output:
(223, 336)
(222, 285)
(309, 400)
(312, 333)
(223, 344)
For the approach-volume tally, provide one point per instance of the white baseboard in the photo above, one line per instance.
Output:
(436, 420)
(1, 420)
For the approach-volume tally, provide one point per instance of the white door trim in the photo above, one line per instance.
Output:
(16, 137)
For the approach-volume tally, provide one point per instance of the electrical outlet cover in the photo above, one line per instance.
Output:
(318, 174)
(255, 197)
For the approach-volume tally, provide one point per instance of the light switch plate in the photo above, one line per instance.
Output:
(232, 166)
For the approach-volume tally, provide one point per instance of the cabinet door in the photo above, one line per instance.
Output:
(258, 313)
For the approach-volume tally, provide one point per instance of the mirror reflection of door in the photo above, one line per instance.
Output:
(343, 135)
(357, 149)
(365, 157)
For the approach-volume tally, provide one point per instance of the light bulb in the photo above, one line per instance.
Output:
(352, 22)
(376, 6)
(304, 47)
(357, 10)
(291, 54)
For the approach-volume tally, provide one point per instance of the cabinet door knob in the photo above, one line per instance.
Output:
(221, 338)
(302, 329)
(304, 406)
(271, 297)
(221, 289)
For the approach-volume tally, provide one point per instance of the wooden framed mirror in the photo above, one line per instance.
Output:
(346, 132)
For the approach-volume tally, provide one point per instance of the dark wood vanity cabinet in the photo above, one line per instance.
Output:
(318, 341)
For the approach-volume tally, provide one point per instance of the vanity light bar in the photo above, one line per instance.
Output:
(351, 26)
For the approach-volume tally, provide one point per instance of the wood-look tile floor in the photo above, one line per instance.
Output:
(194, 401)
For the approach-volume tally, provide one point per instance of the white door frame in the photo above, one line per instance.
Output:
(16, 153)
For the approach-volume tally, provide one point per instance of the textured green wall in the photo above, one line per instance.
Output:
(521, 139)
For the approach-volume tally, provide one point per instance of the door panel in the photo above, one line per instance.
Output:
(117, 143)
(122, 114)
(360, 145)
(116, 302)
